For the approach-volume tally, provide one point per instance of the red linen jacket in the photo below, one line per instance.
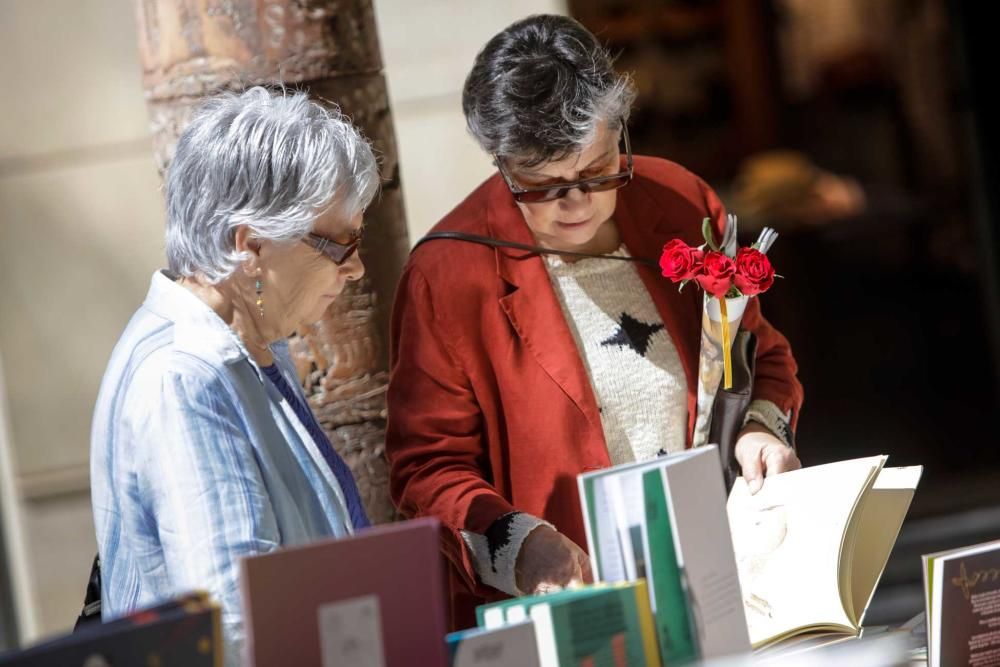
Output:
(490, 406)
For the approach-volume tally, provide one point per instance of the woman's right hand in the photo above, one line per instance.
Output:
(549, 561)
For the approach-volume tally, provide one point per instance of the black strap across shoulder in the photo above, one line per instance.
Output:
(499, 243)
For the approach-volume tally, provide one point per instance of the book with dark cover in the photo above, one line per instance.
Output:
(964, 606)
(184, 632)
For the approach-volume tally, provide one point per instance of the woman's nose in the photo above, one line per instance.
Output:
(574, 198)
(353, 269)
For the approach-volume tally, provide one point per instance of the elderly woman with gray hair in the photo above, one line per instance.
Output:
(203, 447)
(523, 354)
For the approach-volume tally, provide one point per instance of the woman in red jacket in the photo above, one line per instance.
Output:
(514, 371)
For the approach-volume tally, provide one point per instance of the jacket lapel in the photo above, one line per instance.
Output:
(533, 308)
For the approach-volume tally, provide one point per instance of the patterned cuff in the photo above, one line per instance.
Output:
(495, 553)
(772, 418)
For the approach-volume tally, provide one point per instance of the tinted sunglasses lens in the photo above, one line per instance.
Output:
(618, 181)
(535, 196)
(341, 253)
(612, 183)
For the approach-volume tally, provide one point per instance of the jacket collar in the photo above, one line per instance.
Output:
(198, 329)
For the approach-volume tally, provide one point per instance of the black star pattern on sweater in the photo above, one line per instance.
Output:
(498, 536)
(634, 334)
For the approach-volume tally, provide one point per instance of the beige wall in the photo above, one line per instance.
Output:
(428, 48)
(80, 221)
(81, 232)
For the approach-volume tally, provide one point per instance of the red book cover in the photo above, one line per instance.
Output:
(380, 596)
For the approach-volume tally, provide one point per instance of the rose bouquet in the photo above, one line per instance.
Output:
(729, 276)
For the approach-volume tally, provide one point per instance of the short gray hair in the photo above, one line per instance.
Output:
(270, 160)
(538, 90)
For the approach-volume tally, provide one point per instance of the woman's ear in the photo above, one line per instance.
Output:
(249, 246)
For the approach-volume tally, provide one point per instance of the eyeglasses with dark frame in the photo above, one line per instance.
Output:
(545, 193)
(337, 252)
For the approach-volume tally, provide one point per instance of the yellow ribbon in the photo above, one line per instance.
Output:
(727, 359)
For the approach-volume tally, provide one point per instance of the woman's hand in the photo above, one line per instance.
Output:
(761, 454)
(549, 561)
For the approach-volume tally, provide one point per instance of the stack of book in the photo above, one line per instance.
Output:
(665, 521)
(683, 576)
(800, 558)
(590, 626)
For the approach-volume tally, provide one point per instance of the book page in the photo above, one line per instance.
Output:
(625, 492)
(788, 540)
(602, 538)
(608, 548)
(880, 517)
(696, 498)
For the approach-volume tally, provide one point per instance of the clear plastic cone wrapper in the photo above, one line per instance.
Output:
(711, 365)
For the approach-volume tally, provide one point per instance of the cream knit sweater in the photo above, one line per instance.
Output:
(634, 368)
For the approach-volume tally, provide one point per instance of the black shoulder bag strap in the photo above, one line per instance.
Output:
(498, 243)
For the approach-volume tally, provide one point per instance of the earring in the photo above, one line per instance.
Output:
(260, 297)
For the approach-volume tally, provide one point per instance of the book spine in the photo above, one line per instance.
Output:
(928, 563)
(673, 615)
(646, 624)
(591, 525)
(548, 641)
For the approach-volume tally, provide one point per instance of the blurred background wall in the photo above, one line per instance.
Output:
(856, 127)
(81, 225)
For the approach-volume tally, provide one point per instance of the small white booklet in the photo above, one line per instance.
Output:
(513, 645)
(812, 543)
(665, 520)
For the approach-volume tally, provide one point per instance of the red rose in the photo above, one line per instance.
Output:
(680, 261)
(716, 275)
(754, 273)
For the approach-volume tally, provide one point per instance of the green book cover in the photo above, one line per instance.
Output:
(528, 600)
(600, 626)
(589, 499)
(930, 589)
(673, 618)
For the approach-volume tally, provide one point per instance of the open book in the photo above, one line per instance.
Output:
(812, 543)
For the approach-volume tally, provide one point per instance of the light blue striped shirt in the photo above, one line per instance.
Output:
(197, 461)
